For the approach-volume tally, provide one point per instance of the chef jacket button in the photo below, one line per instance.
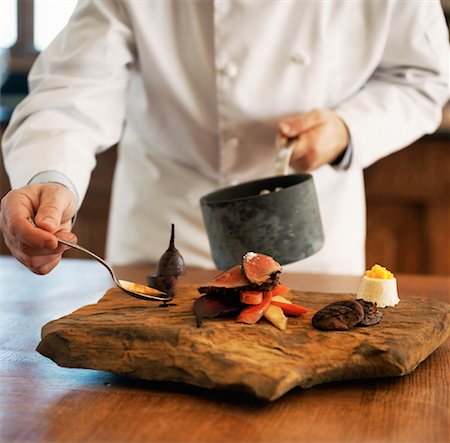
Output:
(232, 143)
(228, 70)
(301, 58)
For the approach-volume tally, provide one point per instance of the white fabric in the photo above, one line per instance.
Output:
(54, 177)
(194, 90)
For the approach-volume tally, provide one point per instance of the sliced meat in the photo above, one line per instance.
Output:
(214, 305)
(233, 278)
(259, 268)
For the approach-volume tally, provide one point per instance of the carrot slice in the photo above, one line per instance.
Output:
(279, 289)
(252, 314)
(251, 297)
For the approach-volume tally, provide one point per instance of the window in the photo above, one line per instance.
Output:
(8, 23)
(44, 18)
(50, 16)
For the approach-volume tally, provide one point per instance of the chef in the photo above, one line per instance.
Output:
(195, 93)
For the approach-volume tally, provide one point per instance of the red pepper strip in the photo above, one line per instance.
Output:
(290, 308)
(279, 289)
(252, 314)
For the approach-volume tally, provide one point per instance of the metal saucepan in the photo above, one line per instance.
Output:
(278, 216)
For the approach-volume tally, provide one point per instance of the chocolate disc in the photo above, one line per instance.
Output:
(339, 316)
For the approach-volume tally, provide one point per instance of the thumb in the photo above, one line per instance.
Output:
(56, 205)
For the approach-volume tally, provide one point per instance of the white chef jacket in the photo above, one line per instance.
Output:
(194, 90)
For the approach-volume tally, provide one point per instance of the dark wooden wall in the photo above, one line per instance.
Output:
(408, 208)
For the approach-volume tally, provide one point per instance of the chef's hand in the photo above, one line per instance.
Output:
(322, 138)
(52, 207)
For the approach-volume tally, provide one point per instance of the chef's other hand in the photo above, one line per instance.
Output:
(52, 207)
(322, 138)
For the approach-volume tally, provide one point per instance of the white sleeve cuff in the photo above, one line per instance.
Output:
(52, 176)
(342, 163)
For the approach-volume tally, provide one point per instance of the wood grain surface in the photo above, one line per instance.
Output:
(136, 338)
(43, 402)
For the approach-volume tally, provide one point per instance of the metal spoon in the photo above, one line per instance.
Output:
(284, 156)
(134, 289)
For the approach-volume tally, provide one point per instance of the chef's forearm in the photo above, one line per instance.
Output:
(77, 99)
(29, 151)
(383, 119)
(405, 95)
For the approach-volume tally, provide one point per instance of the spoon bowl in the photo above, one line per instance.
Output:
(134, 289)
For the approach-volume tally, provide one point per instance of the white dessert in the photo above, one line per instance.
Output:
(379, 286)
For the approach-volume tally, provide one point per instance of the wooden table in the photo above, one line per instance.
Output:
(41, 402)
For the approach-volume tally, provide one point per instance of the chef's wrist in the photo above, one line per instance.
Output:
(343, 160)
(53, 176)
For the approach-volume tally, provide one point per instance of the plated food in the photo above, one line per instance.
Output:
(250, 291)
(344, 315)
(379, 286)
(378, 289)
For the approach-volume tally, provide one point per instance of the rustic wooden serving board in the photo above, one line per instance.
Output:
(137, 338)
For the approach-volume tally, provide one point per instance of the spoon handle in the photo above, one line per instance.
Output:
(284, 156)
(86, 251)
(92, 254)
